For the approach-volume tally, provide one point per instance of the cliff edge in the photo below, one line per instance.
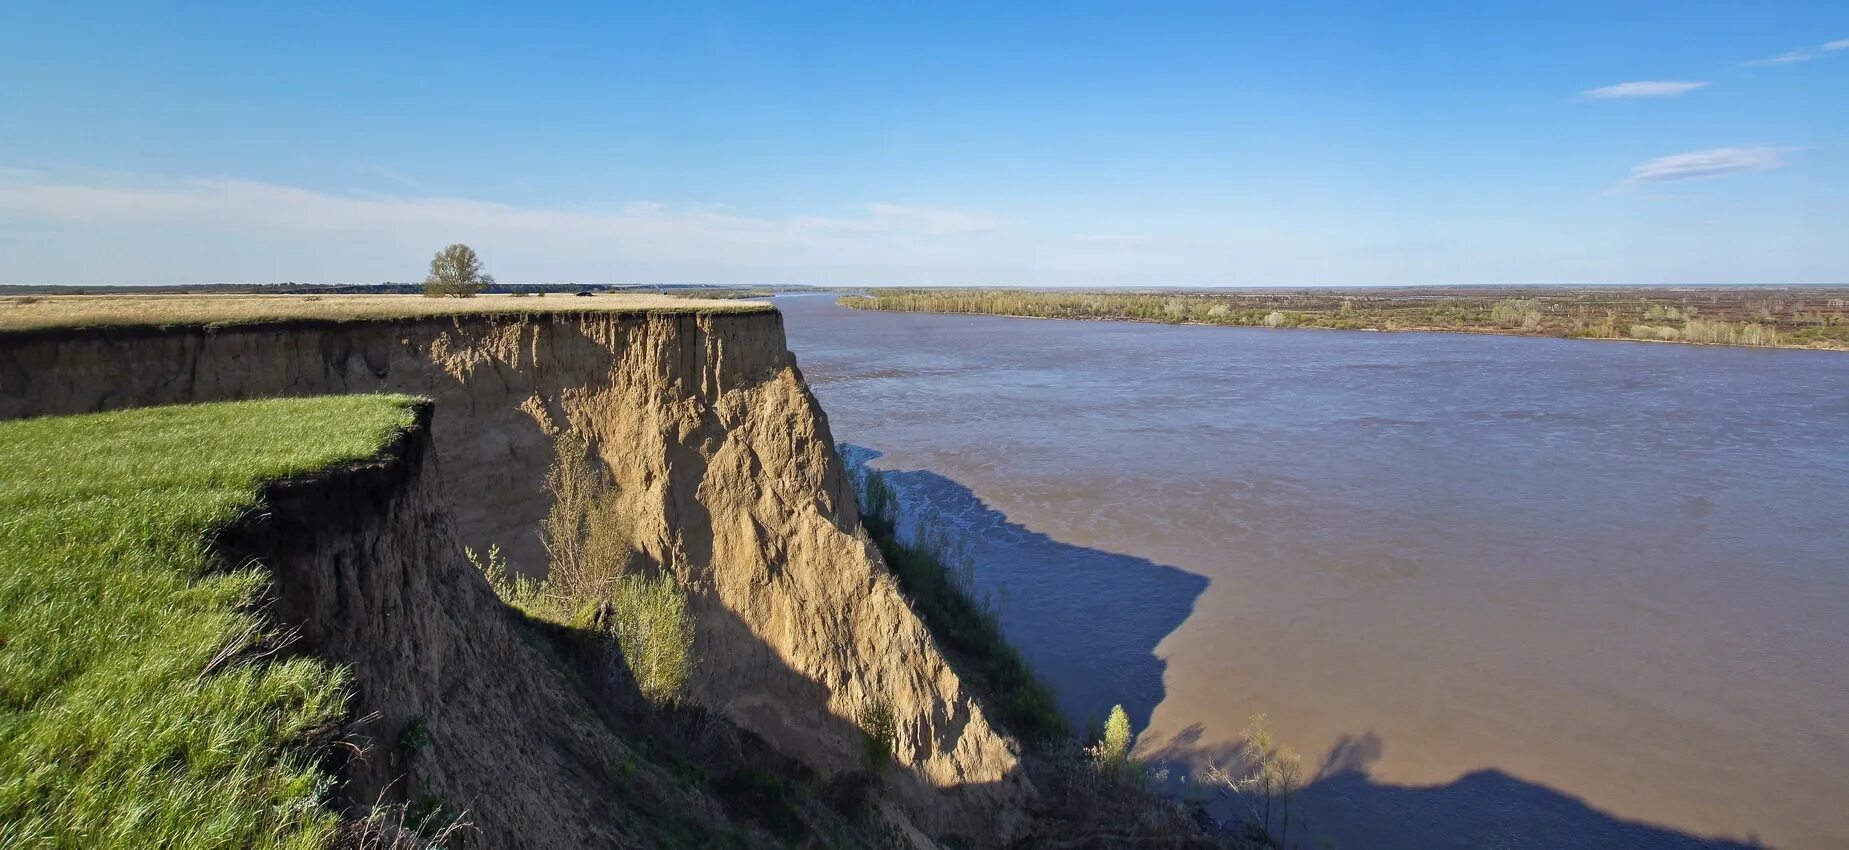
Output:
(728, 475)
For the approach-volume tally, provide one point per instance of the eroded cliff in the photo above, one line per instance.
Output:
(729, 478)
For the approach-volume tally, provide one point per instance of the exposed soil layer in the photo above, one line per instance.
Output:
(728, 473)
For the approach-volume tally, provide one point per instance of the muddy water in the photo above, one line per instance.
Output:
(1497, 592)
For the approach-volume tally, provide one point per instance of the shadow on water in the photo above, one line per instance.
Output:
(1342, 805)
(1087, 620)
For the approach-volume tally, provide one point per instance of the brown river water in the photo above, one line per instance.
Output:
(1498, 592)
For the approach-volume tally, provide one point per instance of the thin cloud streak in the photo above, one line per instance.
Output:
(1644, 88)
(271, 206)
(141, 229)
(1790, 57)
(1839, 44)
(138, 229)
(1713, 162)
(235, 217)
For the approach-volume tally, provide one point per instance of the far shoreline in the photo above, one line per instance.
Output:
(1458, 332)
(871, 302)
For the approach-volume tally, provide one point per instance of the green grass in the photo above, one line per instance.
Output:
(120, 723)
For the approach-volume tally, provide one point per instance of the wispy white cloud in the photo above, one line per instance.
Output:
(1792, 57)
(1644, 88)
(1789, 57)
(266, 205)
(394, 176)
(139, 229)
(368, 234)
(1713, 162)
(111, 228)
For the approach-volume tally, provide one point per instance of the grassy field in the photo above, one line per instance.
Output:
(1799, 317)
(725, 293)
(127, 717)
(32, 312)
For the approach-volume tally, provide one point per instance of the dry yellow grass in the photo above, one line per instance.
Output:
(20, 313)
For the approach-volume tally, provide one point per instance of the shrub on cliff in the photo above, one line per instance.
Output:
(881, 732)
(584, 532)
(651, 624)
(515, 589)
(588, 584)
(456, 271)
(1113, 750)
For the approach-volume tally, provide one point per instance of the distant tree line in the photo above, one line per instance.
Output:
(1812, 317)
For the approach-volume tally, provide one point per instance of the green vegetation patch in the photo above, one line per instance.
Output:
(133, 709)
(1790, 317)
(966, 627)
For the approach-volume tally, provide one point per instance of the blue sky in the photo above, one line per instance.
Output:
(984, 143)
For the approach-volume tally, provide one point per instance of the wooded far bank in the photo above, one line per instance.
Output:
(1791, 317)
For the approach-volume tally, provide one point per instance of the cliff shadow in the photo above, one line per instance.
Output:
(1087, 620)
(1342, 804)
(770, 753)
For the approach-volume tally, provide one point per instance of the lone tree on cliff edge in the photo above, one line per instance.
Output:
(456, 271)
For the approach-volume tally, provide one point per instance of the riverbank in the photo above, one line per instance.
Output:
(1794, 317)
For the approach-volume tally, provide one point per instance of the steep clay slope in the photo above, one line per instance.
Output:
(728, 473)
(368, 573)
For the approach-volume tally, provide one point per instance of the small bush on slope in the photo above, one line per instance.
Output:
(585, 535)
(588, 584)
(1113, 750)
(881, 732)
(126, 717)
(651, 623)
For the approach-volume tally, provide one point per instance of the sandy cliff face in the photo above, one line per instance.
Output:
(728, 472)
(368, 573)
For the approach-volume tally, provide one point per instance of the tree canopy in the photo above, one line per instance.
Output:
(456, 271)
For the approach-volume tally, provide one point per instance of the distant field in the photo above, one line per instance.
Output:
(727, 292)
(31, 312)
(1798, 317)
(132, 710)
